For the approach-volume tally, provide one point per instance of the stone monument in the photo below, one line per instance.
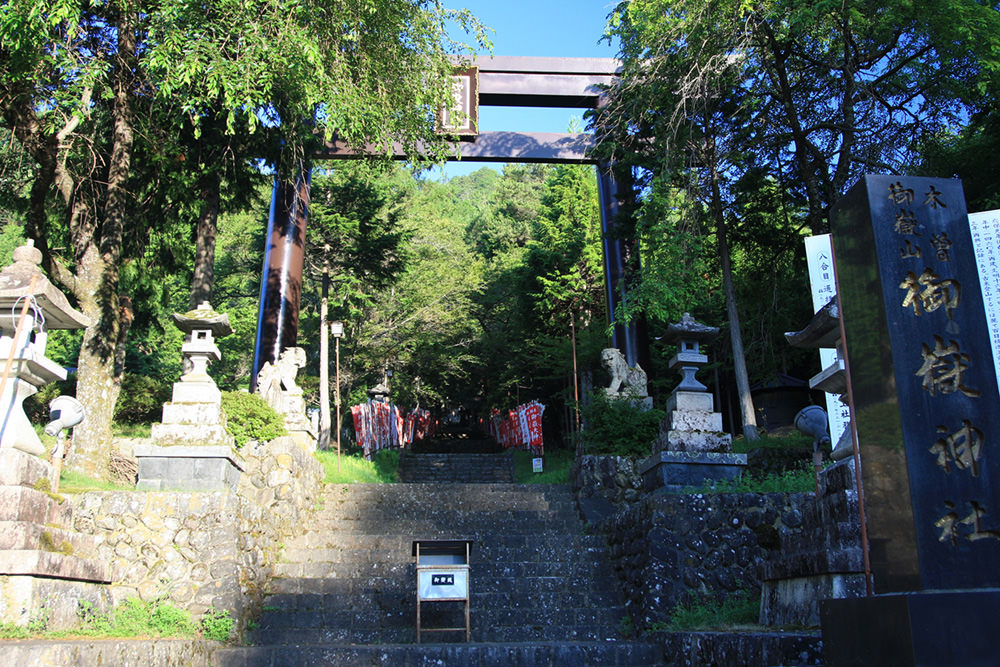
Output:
(191, 448)
(276, 385)
(45, 566)
(692, 448)
(922, 377)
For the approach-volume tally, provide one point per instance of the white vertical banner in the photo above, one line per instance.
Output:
(985, 230)
(819, 259)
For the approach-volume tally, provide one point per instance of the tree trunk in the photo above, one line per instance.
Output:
(739, 359)
(203, 279)
(98, 383)
(96, 285)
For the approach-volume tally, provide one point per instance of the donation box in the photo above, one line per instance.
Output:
(442, 576)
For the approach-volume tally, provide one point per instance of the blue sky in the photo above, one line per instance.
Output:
(567, 28)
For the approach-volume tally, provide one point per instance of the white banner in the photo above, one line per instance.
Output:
(819, 259)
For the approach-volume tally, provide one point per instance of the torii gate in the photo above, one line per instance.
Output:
(493, 81)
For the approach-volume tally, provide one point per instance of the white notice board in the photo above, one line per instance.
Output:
(985, 229)
(819, 259)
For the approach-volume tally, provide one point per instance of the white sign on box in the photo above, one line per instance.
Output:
(443, 584)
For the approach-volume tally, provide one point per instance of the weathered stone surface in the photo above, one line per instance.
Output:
(59, 598)
(667, 548)
(49, 564)
(695, 420)
(691, 400)
(18, 468)
(750, 648)
(85, 653)
(204, 549)
(795, 601)
(193, 413)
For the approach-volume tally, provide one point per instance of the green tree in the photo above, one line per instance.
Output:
(84, 90)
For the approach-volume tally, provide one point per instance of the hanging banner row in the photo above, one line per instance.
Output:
(380, 425)
(520, 428)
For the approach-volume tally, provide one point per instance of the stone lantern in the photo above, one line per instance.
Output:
(191, 448)
(36, 577)
(30, 305)
(692, 448)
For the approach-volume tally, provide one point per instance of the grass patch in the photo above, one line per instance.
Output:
(791, 441)
(354, 469)
(131, 430)
(71, 481)
(790, 481)
(556, 465)
(741, 610)
(131, 619)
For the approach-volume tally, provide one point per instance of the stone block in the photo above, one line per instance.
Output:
(691, 400)
(677, 470)
(168, 435)
(694, 441)
(186, 467)
(687, 359)
(31, 535)
(795, 601)
(20, 503)
(947, 627)
(39, 563)
(196, 392)
(18, 468)
(23, 598)
(695, 420)
(192, 413)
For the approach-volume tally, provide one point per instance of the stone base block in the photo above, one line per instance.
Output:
(20, 503)
(196, 392)
(188, 468)
(170, 435)
(694, 442)
(31, 535)
(35, 562)
(18, 468)
(796, 601)
(209, 414)
(695, 420)
(25, 599)
(924, 628)
(678, 470)
(691, 400)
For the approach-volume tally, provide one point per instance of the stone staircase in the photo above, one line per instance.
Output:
(542, 591)
(460, 468)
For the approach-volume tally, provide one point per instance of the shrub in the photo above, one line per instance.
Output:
(141, 399)
(217, 625)
(707, 613)
(619, 427)
(249, 417)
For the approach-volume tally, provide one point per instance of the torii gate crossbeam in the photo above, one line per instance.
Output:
(502, 81)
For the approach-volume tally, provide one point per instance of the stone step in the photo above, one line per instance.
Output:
(491, 552)
(524, 654)
(453, 468)
(31, 535)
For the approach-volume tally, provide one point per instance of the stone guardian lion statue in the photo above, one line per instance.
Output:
(625, 380)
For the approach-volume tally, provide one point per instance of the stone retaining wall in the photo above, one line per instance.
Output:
(202, 550)
(669, 548)
(89, 652)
